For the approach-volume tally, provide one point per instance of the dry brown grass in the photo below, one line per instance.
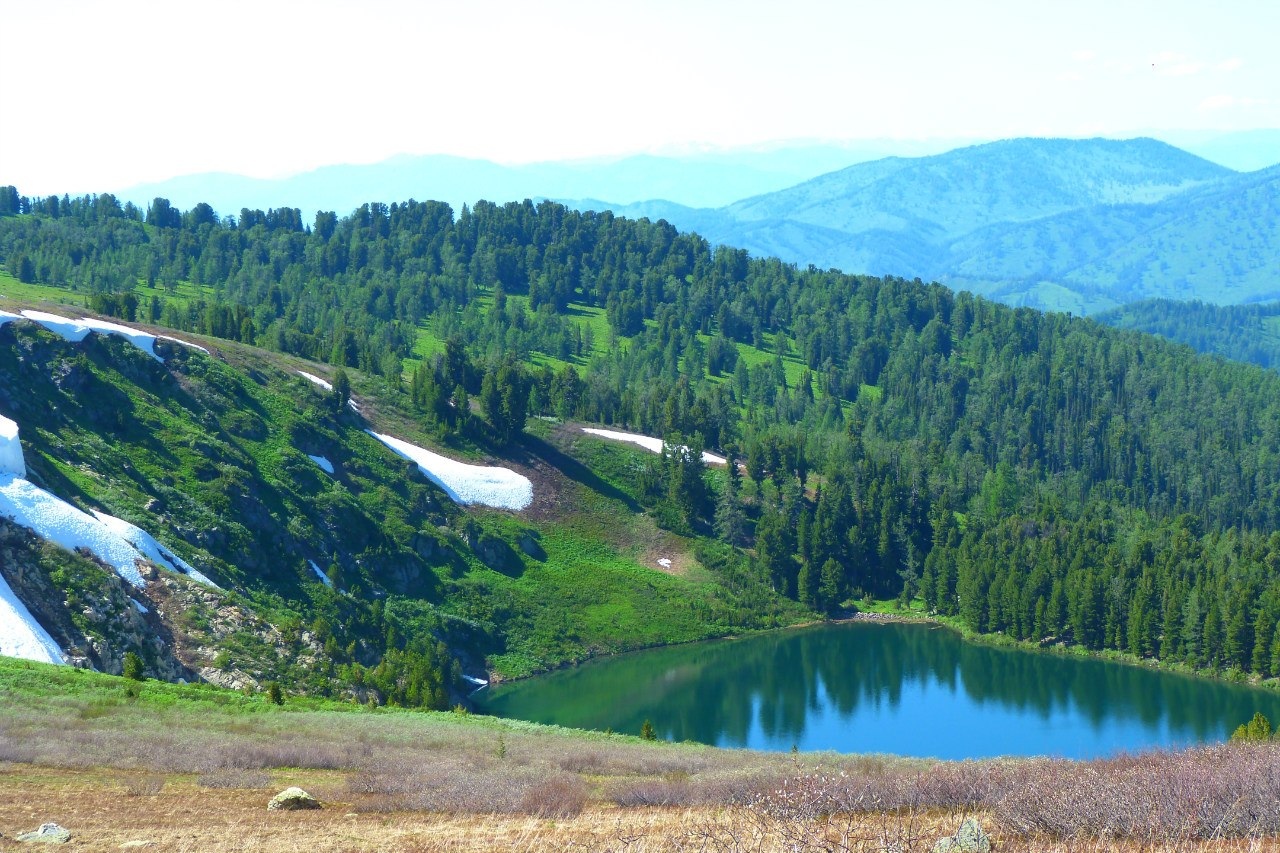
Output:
(198, 779)
(185, 817)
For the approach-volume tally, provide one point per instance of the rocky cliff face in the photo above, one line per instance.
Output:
(93, 615)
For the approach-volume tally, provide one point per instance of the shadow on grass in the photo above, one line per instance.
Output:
(537, 448)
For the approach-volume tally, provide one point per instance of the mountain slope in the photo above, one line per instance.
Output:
(1216, 242)
(1248, 333)
(1074, 224)
(247, 471)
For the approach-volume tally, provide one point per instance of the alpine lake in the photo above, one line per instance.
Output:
(908, 689)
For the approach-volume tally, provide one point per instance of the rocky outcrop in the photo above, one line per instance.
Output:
(970, 838)
(292, 799)
(94, 617)
(48, 833)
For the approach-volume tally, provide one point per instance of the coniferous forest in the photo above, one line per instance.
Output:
(1033, 474)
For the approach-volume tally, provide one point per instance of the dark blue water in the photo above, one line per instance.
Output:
(907, 689)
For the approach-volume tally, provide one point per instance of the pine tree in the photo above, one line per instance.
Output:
(730, 521)
(133, 669)
(341, 390)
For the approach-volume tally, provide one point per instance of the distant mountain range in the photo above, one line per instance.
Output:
(1079, 225)
(699, 179)
(1073, 225)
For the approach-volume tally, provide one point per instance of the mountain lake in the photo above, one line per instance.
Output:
(903, 688)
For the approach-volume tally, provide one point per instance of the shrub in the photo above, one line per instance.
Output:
(1259, 728)
(557, 797)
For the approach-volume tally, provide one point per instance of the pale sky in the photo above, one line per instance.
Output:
(97, 96)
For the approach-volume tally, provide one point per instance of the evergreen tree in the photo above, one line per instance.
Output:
(341, 394)
(133, 667)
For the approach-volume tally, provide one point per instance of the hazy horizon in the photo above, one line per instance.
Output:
(113, 95)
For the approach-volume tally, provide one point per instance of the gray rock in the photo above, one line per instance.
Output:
(292, 799)
(970, 838)
(48, 833)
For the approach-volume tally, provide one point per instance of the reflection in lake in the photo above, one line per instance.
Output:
(906, 689)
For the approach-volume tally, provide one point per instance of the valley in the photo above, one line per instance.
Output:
(411, 452)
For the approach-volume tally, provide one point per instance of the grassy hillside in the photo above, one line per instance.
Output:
(209, 454)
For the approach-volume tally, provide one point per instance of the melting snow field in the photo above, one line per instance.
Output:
(21, 636)
(320, 574)
(150, 548)
(77, 330)
(328, 386)
(325, 464)
(316, 379)
(115, 541)
(466, 484)
(648, 443)
(11, 461)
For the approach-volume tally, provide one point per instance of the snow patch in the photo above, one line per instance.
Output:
(648, 443)
(77, 330)
(105, 536)
(11, 461)
(325, 464)
(323, 577)
(148, 547)
(21, 636)
(466, 484)
(664, 562)
(479, 682)
(6, 317)
(328, 387)
(139, 606)
(316, 379)
(186, 344)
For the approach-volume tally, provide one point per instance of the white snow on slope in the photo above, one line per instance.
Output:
(148, 547)
(63, 524)
(186, 344)
(325, 464)
(11, 461)
(6, 317)
(321, 575)
(328, 386)
(77, 330)
(648, 443)
(316, 379)
(115, 541)
(111, 539)
(21, 636)
(466, 484)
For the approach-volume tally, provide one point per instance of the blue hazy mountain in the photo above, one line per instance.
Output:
(1078, 225)
(707, 178)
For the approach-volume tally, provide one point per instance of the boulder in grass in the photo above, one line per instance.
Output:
(970, 838)
(48, 833)
(292, 799)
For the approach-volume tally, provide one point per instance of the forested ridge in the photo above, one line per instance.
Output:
(1032, 473)
(1240, 332)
